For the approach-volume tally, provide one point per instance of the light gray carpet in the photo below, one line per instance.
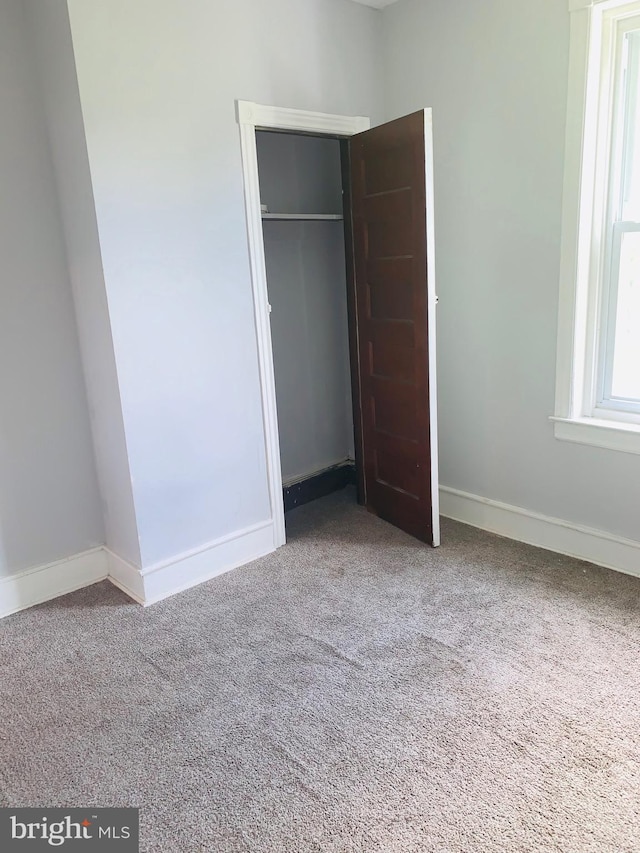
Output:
(356, 691)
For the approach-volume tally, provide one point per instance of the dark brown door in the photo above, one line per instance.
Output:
(394, 289)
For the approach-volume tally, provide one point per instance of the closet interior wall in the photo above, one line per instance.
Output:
(306, 278)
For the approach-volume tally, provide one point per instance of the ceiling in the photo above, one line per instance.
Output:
(377, 4)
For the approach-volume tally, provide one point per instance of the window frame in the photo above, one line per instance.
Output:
(582, 413)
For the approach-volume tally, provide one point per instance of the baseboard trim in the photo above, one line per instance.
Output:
(125, 576)
(193, 568)
(44, 583)
(146, 586)
(318, 485)
(159, 581)
(554, 534)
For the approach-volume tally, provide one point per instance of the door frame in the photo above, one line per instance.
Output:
(251, 117)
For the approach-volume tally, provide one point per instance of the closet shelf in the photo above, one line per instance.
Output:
(325, 216)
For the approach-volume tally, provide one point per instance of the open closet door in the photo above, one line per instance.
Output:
(392, 230)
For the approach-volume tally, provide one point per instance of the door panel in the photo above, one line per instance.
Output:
(392, 233)
(390, 289)
(392, 353)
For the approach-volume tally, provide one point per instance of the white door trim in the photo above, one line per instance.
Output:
(250, 117)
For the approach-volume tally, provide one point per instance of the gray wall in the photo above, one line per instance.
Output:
(49, 503)
(299, 174)
(495, 74)
(173, 374)
(306, 278)
(158, 80)
(307, 292)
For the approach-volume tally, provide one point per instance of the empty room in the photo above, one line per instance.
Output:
(320, 426)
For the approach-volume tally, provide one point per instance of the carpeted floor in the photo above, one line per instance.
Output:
(355, 691)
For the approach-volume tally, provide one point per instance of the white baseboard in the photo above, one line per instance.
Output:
(554, 534)
(153, 583)
(146, 586)
(216, 558)
(42, 583)
(125, 576)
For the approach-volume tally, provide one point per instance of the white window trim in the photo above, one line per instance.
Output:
(578, 303)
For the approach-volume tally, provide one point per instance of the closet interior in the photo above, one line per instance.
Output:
(304, 243)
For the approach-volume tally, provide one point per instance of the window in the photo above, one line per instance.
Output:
(598, 381)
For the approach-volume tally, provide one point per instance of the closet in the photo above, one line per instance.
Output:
(303, 230)
(348, 238)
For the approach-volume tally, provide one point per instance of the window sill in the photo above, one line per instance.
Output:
(598, 433)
